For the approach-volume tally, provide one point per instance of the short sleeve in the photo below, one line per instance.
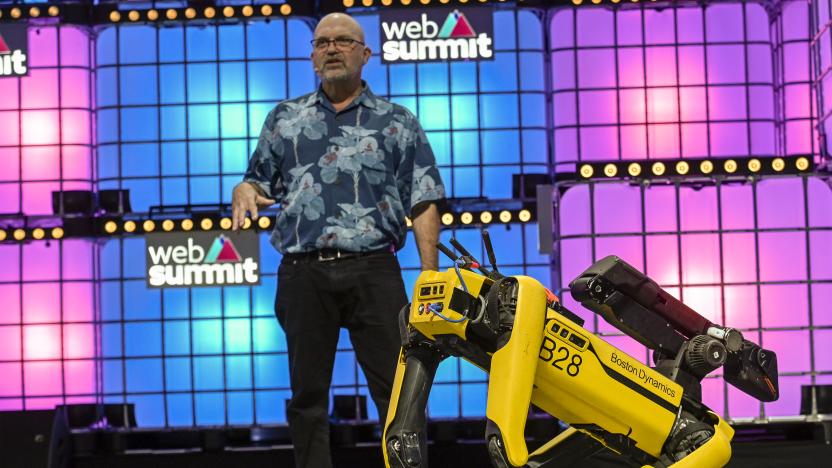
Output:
(264, 165)
(418, 177)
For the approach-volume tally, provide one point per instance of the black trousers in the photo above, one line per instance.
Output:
(314, 300)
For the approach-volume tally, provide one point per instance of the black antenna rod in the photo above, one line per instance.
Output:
(489, 250)
(445, 250)
(466, 253)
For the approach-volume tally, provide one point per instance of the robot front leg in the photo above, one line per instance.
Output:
(405, 438)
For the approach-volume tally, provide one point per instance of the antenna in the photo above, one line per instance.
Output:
(445, 250)
(489, 250)
(466, 253)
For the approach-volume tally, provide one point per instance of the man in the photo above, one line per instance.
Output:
(347, 167)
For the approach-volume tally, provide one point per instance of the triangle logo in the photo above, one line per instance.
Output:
(4, 48)
(222, 250)
(456, 25)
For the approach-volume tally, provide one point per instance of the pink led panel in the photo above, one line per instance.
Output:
(746, 255)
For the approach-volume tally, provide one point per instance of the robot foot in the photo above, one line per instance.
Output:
(404, 451)
(497, 452)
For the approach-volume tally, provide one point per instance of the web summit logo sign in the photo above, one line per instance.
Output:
(416, 36)
(202, 259)
(14, 45)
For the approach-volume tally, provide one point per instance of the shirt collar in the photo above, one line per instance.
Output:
(366, 98)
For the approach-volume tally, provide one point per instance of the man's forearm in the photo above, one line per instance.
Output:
(426, 230)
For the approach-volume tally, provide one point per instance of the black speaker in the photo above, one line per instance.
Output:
(823, 399)
(524, 186)
(76, 430)
(114, 201)
(349, 408)
(73, 202)
(24, 438)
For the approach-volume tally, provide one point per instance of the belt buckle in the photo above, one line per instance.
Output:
(322, 257)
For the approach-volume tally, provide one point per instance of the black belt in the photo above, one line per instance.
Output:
(328, 255)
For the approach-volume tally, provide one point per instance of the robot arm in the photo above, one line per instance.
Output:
(635, 304)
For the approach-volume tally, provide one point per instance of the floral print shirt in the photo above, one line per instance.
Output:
(344, 180)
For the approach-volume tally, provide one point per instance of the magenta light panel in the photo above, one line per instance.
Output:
(47, 324)
(749, 256)
(689, 81)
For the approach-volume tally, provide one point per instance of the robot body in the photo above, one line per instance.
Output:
(537, 352)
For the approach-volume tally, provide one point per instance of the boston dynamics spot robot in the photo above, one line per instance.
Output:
(538, 352)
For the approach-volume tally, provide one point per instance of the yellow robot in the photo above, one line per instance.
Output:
(538, 353)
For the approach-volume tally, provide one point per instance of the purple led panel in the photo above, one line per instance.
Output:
(47, 323)
(684, 81)
(751, 256)
(822, 61)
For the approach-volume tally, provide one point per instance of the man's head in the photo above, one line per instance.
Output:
(338, 50)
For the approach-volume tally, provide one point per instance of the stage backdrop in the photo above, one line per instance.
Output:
(171, 113)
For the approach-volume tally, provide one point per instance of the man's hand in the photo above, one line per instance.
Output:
(246, 197)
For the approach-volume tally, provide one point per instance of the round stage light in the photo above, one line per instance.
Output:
(115, 16)
(110, 227)
(206, 224)
(466, 218)
(754, 165)
(444, 1)
(266, 10)
(802, 163)
(225, 223)
(634, 169)
(486, 217)
(187, 224)
(407, 2)
(367, 3)
(658, 168)
(424, 2)
(149, 225)
(171, 14)
(248, 10)
(19, 234)
(3, 234)
(505, 216)
(577, 2)
(168, 225)
(133, 15)
(706, 167)
(38, 233)
(53, 11)
(57, 232)
(730, 166)
(264, 222)
(447, 219)
(386, 2)
(586, 171)
(228, 12)
(209, 12)
(682, 167)
(610, 170)
(129, 226)
(524, 216)
(15, 13)
(596, 1)
(349, 3)
(152, 15)
(285, 9)
(778, 164)
(34, 12)
(190, 13)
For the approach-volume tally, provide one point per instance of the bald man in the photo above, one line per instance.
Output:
(346, 167)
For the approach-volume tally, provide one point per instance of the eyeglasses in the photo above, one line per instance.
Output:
(341, 43)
